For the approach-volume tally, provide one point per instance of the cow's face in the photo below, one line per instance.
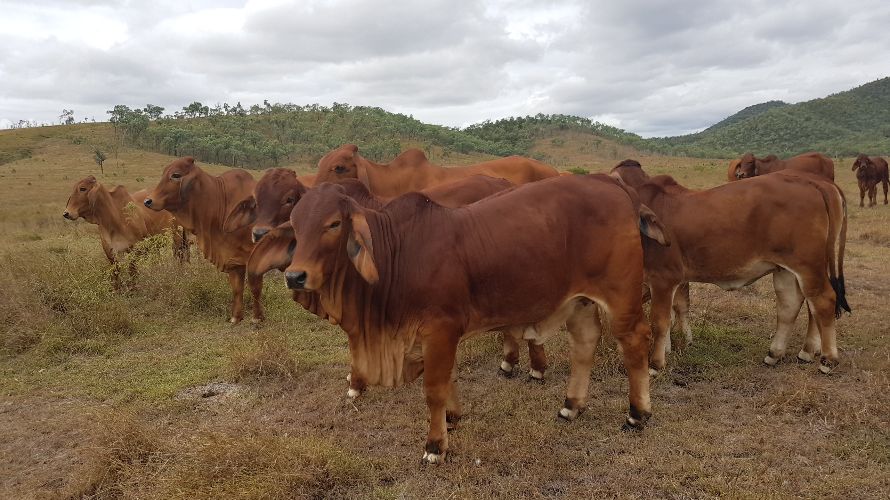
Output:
(277, 193)
(862, 166)
(328, 225)
(171, 192)
(338, 164)
(80, 203)
(747, 167)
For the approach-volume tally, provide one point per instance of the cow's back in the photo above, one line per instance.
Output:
(814, 163)
(516, 169)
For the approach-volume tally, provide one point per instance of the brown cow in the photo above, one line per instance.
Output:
(814, 163)
(200, 202)
(121, 218)
(275, 249)
(790, 224)
(410, 281)
(870, 171)
(411, 171)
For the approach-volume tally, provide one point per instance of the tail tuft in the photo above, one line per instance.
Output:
(840, 291)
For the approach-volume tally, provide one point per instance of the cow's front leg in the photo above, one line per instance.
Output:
(439, 351)
(236, 282)
(255, 281)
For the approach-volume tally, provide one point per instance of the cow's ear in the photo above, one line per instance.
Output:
(92, 195)
(241, 216)
(651, 227)
(360, 248)
(274, 251)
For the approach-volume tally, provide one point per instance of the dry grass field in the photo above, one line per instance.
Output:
(149, 393)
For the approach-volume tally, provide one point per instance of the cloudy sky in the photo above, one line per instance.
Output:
(652, 67)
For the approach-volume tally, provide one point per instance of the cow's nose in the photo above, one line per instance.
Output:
(259, 232)
(147, 202)
(296, 280)
(66, 215)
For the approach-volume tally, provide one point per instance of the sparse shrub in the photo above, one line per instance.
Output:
(269, 358)
(579, 170)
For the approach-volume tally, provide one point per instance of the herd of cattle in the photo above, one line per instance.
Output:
(410, 258)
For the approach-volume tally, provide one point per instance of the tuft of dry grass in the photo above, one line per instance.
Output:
(269, 357)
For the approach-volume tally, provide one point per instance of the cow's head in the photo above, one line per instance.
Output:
(172, 191)
(275, 196)
(339, 164)
(82, 199)
(630, 172)
(747, 166)
(329, 225)
(863, 163)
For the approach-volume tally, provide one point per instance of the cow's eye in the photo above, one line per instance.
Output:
(83, 189)
(334, 225)
(290, 201)
(175, 175)
(339, 169)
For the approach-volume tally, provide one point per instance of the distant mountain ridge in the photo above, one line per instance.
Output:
(749, 112)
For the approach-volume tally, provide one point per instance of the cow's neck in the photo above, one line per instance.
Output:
(378, 342)
(109, 212)
(202, 214)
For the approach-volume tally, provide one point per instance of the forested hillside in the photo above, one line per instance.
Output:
(841, 124)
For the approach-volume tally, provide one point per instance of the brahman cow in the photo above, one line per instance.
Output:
(789, 224)
(871, 171)
(277, 192)
(200, 202)
(411, 171)
(121, 218)
(411, 280)
(749, 166)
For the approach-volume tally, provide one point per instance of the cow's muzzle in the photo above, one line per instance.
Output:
(296, 280)
(67, 215)
(147, 202)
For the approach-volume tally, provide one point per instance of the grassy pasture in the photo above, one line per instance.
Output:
(149, 393)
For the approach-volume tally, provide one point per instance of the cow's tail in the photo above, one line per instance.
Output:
(836, 243)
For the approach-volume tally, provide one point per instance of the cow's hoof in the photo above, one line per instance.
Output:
(826, 366)
(769, 360)
(535, 375)
(349, 377)
(234, 321)
(506, 369)
(352, 393)
(433, 458)
(805, 357)
(633, 424)
(257, 321)
(653, 372)
(568, 414)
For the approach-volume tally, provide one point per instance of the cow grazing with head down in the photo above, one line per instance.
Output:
(750, 166)
(789, 224)
(871, 171)
(410, 281)
(411, 171)
(275, 249)
(122, 219)
(200, 202)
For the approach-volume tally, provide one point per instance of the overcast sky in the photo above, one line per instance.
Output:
(651, 67)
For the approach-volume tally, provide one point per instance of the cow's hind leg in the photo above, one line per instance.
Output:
(255, 281)
(453, 408)
(813, 342)
(821, 299)
(584, 334)
(510, 358)
(537, 357)
(886, 185)
(660, 318)
(788, 300)
(236, 282)
(681, 312)
(633, 335)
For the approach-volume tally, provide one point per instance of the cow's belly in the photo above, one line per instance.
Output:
(738, 277)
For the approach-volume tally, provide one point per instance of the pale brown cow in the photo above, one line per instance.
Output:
(789, 224)
(274, 194)
(871, 171)
(200, 202)
(412, 171)
(410, 281)
(815, 163)
(122, 219)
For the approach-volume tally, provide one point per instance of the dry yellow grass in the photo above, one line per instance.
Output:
(98, 389)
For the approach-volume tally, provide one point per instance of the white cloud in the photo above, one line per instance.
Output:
(652, 67)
